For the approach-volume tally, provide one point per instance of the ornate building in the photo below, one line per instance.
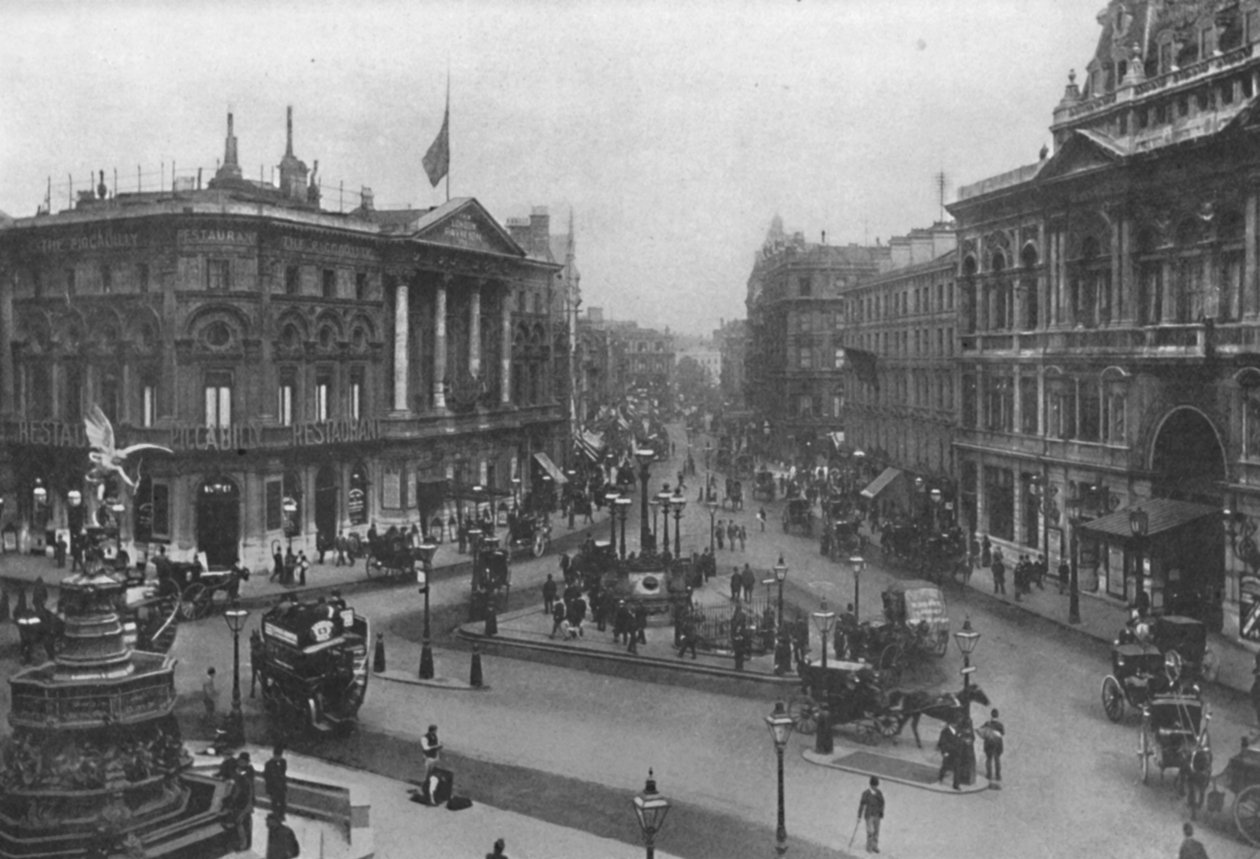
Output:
(1109, 316)
(311, 370)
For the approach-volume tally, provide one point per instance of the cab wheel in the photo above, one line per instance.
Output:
(1112, 698)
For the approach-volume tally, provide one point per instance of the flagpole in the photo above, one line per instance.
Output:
(448, 128)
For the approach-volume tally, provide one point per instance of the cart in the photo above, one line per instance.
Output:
(917, 626)
(211, 591)
(763, 487)
(854, 695)
(1183, 641)
(1240, 777)
(798, 513)
(1138, 673)
(1174, 728)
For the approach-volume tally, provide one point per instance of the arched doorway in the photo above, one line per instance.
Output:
(219, 520)
(1188, 464)
(326, 502)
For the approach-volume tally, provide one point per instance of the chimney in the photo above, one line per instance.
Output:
(231, 168)
(288, 131)
(292, 170)
(540, 231)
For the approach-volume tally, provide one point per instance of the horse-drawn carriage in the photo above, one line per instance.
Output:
(391, 557)
(1173, 732)
(1153, 657)
(211, 590)
(528, 533)
(842, 538)
(916, 625)
(798, 513)
(1240, 777)
(763, 485)
(853, 694)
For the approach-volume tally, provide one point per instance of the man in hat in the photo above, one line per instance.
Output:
(432, 748)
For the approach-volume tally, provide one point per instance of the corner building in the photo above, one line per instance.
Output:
(1109, 320)
(312, 371)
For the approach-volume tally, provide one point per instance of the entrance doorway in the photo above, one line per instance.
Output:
(326, 503)
(219, 521)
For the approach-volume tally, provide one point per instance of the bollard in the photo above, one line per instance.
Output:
(378, 657)
(475, 680)
(492, 622)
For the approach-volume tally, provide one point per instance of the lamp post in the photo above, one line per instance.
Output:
(780, 725)
(474, 539)
(655, 504)
(1139, 521)
(426, 551)
(236, 617)
(666, 498)
(516, 496)
(780, 576)
(1073, 503)
(713, 508)
(825, 621)
(858, 563)
(289, 505)
(623, 510)
(651, 809)
(936, 497)
(677, 505)
(967, 639)
(645, 457)
(610, 499)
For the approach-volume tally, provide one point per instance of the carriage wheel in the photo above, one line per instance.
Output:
(804, 712)
(891, 664)
(1144, 753)
(1112, 698)
(540, 544)
(190, 602)
(889, 726)
(1173, 664)
(942, 643)
(1247, 814)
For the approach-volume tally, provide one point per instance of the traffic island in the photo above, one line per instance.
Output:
(894, 769)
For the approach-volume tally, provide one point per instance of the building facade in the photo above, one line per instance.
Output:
(1109, 316)
(731, 340)
(310, 371)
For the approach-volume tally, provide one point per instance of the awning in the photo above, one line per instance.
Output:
(589, 444)
(550, 467)
(1163, 514)
(881, 483)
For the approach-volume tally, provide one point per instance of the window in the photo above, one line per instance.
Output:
(356, 393)
(292, 280)
(161, 511)
(111, 387)
(148, 404)
(805, 287)
(286, 396)
(969, 401)
(1251, 28)
(839, 358)
(217, 271)
(69, 274)
(1114, 420)
(71, 404)
(1207, 42)
(274, 505)
(107, 280)
(142, 277)
(37, 282)
(39, 390)
(1251, 417)
(330, 283)
(1090, 410)
(218, 398)
(1165, 58)
(360, 285)
(323, 395)
(1028, 405)
(999, 490)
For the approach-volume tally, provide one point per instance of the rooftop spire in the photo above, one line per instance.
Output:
(231, 168)
(288, 132)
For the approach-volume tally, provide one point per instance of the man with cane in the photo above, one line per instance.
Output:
(870, 809)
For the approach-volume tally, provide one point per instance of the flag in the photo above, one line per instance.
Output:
(863, 363)
(437, 161)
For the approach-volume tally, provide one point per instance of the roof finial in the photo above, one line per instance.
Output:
(288, 132)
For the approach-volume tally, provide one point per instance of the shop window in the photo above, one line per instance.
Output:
(218, 398)
(999, 490)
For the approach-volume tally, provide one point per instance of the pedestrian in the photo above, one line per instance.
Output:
(1191, 848)
(549, 594)
(565, 564)
(871, 809)
(277, 568)
(732, 534)
(209, 697)
(949, 745)
(302, 566)
(761, 517)
(640, 621)
(1065, 571)
(623, 621)
(999, 575)
(497, 853)
(720, 533)
(282, 843)
(558, 613)
(994, 734)
(1020, 573)
(632, 629)
(340, 546)
(986, 551)
(1255, 688)
(432, 749)
(687, 637)
(59, 552)
(800, 637)
(276, 781)
(576, 613)
(737, 584)
(743, 537)
(241, 799)
(749, 580)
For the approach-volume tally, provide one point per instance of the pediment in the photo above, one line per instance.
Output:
(1083, 152)
(467, 225)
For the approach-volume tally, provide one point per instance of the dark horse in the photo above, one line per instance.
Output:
(945, 706)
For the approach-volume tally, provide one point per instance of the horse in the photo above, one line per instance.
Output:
(944, 706)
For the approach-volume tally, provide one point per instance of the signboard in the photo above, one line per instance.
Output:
(925, 604)
(356, 506)
(1249, 608)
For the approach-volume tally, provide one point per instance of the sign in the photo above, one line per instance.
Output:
(1249, 608)
(319, 246)
(356, 506)
(311, 433)
(234, 437)
(51, 433)
(273, 631)
(99, 240)
(214, 237)
(322, 630)
(463, 231)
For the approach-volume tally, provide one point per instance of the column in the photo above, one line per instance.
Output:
(266, 384)
(1127, 311)
(474, 330)
(1118, 284)
(505, 348)
(1249, 304)
(439, 343)
(7, 386)
(402, 313)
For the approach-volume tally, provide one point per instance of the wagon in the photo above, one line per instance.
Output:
(916, 626)
(1174, 728)
(798, 513)
(529, 533)
(1183, 641)
(1240, 777)
(211, 591)
(854, 695)
(392, 558)
(1138, 673)
(763, 486)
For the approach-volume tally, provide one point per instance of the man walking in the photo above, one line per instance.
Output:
(999, 575)
(1191, 848)
(549, 594)
(994, 734)
(749, 580)
(737, 584)
(432, 749)
(281, 842)
(871, 809)
(209, 697)
(276, 781)
(949, 746)
(761, 517)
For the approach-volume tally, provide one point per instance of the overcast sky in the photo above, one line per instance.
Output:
(673, 130)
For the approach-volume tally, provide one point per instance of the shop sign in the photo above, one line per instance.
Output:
(234, 437)
(51, 433)
(335, 432)
(91, 242)
(336, 249)
(356, 506)
(214, 237)
(1249, 608)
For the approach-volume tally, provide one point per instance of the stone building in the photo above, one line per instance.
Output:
(731, 339)
(312, 371)
(1109, 316)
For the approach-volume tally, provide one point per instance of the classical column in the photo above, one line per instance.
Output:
(1249, 304)
(474, 330)
(7, 386)
(402, 314)
(439, 343)
(505, 348)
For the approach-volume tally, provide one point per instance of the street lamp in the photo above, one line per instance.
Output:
(611, 499)
(1073, 503)
(236, 617)
(290, 506)
(651, 809)
(644, 456)
(858, 563)
(474, 541)
(516, 495)
(780, 725)
(780, 576)
(825, 621)
(713, 508)
(1139, 522)
(678, 504)
(967, 639)
(936, 497)
(426, 551)
(623, 510)
(665, 498)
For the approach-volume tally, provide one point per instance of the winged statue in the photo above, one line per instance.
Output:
(106, 459)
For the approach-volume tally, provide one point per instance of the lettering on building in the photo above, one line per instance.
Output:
(214, 237)
(50, 433)
(235, 437)
(335, 249)
(462, 231)
(335, 432)
(89, 242)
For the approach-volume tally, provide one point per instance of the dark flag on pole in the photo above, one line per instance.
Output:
(437, 161)
(863, 364)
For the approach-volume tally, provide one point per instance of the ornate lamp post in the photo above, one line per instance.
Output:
(289, 506)
(677, 505)
(780, 725)
(474, 541)
(858, 563)
(623, 510)
(1139, 522)
(74, 518)
(236, 617)
(936, 497)
(665, 498)
(611, 499)
(713, 509)
(651, 809)
(825, 621)
(645, 457)
(780, 576)
(1074, 504)
(516, 497)
(967, 639)
(426, 551)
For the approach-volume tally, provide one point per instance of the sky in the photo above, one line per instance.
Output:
(672, 131)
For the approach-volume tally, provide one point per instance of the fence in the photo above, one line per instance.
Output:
(714, 623)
